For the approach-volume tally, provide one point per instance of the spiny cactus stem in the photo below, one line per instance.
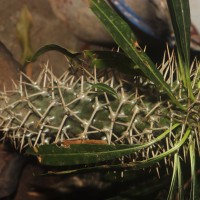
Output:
(41, 127)
(51, 105)
(31, 106)
(53, 109)
(153, 109)
(86, 124)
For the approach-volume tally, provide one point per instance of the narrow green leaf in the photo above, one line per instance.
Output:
(105, 88)
(168, 152)
(138, 164)
(173, 185)
(124, 37)
(111, 59)
(100, 59)
(76, 154)
(194, 191)
(180, 17)
(52, 47)
(177, 173)
(180, 181)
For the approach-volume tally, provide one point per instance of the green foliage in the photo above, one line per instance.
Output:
(181, 103)
(52, 47)
(74, 154)
(180, 16)
(124, 37)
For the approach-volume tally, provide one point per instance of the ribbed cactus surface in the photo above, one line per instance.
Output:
(51, 109)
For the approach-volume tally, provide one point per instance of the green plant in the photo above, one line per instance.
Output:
(150, 120)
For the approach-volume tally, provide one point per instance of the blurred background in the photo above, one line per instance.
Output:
(64, 22)
(195, 7)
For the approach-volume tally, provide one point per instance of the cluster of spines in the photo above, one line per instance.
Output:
(52, 110)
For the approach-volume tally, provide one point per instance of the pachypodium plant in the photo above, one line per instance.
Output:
(92, 115)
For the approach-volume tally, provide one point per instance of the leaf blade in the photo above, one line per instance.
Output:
(85, 154)
(52, 47)
(180, 17)
(194, 190)
(138, 164)
(124, 37)
(105, 88)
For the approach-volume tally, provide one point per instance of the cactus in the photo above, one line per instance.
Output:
(52, 110)
(102, 105)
